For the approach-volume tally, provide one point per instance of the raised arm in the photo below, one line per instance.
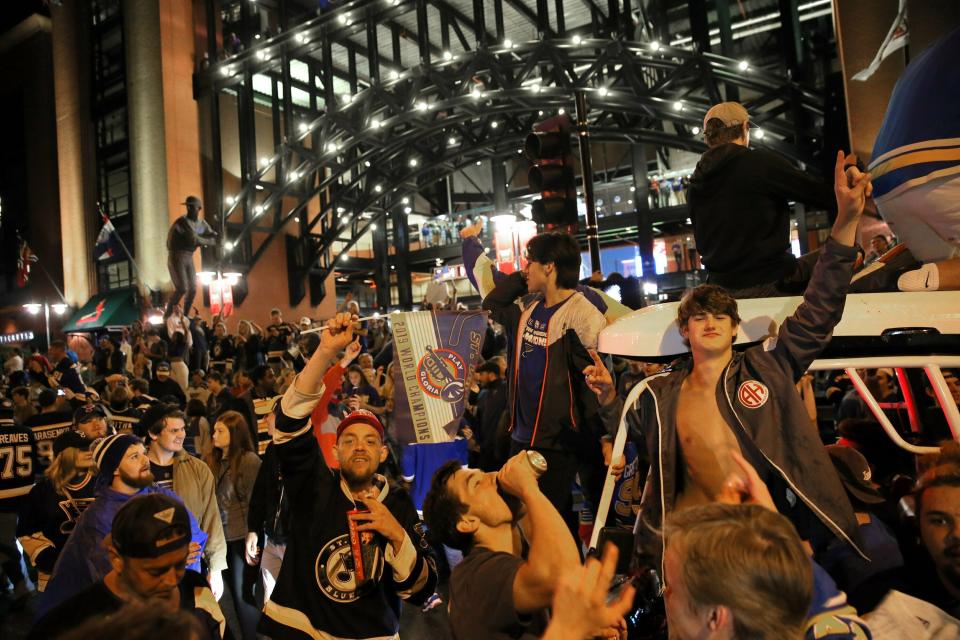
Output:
(481, 271)
(553, 552)
(333, 340)
(804, 335)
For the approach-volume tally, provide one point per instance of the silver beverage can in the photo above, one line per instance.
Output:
(537, 462)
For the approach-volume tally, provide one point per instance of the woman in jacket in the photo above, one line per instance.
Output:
(235, 465)
(47, 517)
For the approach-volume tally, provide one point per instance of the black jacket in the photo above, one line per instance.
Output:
(167, 387)
(269, 511)
(741, 220)
(776, 433)
(317, 594)
(491, 404)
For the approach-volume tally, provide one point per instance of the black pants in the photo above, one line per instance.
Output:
(237, 578)
(184, 277)
(793, 284)
(557, 483)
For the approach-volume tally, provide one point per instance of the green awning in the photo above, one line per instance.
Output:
(111, 309)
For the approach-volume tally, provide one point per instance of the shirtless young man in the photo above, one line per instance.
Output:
(720, 401)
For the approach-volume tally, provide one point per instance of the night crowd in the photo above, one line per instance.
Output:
(194, 467)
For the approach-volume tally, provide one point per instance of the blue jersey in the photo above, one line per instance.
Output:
(420, 461)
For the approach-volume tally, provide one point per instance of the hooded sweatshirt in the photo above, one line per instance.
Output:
(84, 559)
(741, 217)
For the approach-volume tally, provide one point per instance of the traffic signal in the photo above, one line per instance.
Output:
(548, 147)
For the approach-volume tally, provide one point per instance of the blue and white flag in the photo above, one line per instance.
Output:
(435, 354)
(108, 242)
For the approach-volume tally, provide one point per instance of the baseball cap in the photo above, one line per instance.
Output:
(150, 525)
(88, 412)
(69, 439)
(305, 321)
(360, 416)
(730, 113)
(264, 406)
(854, 472)
(163, 366)
(194, 200)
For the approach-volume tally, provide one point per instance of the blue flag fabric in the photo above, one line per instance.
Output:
(108, 242)
(435, 354)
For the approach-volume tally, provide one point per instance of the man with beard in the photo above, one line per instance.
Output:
(124, 473)
(149, 545)
(322, 592)
(187, 233)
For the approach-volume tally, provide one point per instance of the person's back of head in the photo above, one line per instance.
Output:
(726, 123)
(119, 398)
(745, 559)
(139, 386)
(141, 621)
(489, 367)
(196, 408)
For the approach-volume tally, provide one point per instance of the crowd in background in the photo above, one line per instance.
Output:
(216, 379)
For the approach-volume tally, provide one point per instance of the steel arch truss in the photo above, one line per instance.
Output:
(358, 156)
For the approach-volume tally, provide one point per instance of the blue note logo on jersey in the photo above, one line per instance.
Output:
(335, 572)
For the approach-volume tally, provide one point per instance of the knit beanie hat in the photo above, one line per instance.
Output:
(109, 451)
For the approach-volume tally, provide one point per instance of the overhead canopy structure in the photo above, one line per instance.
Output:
(371, 101)
(105, 310)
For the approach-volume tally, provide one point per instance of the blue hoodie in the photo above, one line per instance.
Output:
(84, 559)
